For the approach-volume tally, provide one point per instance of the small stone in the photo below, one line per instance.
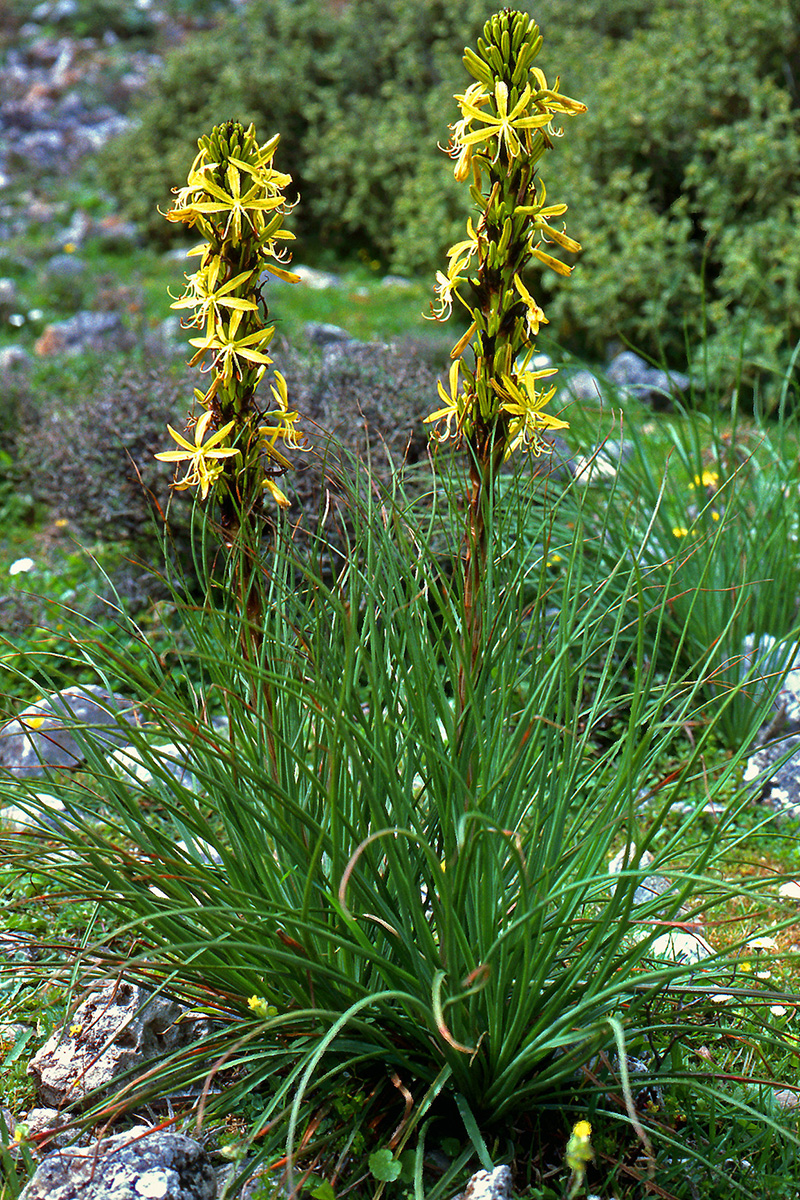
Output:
(397, 281)
(98, 331)
(40, 1121)
(17, 819)
(489, 1185)
(64, 267)
(790, 890)
(650, 384)
(116, 1030)
(43, 735)
(319, 333)
(628, 859)
(14, 358)
(583, 385)
(138, 1165)
(318, 281)
(8, 298)
(679, 946)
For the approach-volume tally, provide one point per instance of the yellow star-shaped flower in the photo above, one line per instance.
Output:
(503, 124)
(200, 472)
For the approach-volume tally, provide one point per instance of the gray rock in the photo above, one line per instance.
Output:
(681, 946)
(19, 818)
(13, 359)
(64, 267)
(113, 1031)
(614, 451)
(584, 385)
(556, 463)
(318, 281)
(489, 1185)
(40, 1121)
(652, 385)
(321, 334)
(98, 331)
(772, 782)
(767, 662)
(8, 298)
(397, 281)
(131, 1166)
(649, 886)
(134, 765)
(42, 737)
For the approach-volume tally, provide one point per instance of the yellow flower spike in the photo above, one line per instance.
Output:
(503, 129)
(200, 472)
(235, 198)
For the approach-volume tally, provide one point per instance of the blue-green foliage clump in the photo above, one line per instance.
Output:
(685, 171)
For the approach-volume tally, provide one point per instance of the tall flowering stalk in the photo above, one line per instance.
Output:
(496, 401)
(236, 200)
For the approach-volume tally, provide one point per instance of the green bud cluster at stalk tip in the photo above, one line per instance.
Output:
(236, 200)
(506, 126)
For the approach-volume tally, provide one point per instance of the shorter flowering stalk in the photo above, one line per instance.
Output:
(236, 200)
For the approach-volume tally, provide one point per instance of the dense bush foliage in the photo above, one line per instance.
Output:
(89, 454)
(86, 451)
(685, 171)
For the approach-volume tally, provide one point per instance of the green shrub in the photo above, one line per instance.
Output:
(685, 170)
(358, 94)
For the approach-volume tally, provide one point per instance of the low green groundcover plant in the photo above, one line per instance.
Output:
(384, 878)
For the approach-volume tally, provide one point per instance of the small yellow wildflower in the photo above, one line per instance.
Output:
(679, 531)
(578, 1156)
(75, 1030)
(260, 1007)
(708, 479)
